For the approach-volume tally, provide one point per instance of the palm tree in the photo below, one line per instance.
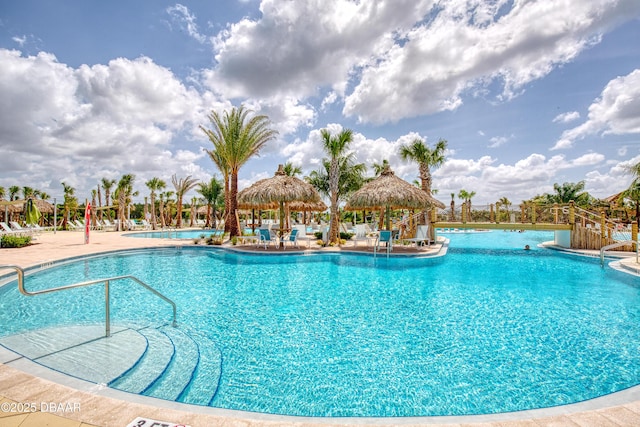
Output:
(291, 170)
(124, 191)
(28, 193)
(236, 139)
(466, 197)
(107, 185)
(452, 214)
(3, 193)
(569, 191)
(94, 194)
(70, 204)
(221, 164)
(154, 184)
(426, 158)
(13, 192)
(379, 167)
(506, 203)
(633, 192)
(211, 192)
(182, 186)
(335, 147)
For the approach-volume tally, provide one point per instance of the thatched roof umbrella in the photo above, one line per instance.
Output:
(279, 189)
(390, 192)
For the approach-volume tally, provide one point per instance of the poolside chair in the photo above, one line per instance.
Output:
(361, 234)
(265, 237)
(422, 236)
(292, 238)
(6, 229)
(386, 237)
(302, 234)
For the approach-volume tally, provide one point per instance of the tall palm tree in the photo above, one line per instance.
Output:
(182, 186)
(221, 164)
(236, 139)
(154, 184)
(336, 147)
(452, 214)
(426, 158)
(466, 197)
(379, 167)
(211, 192)
(107, 185)
(70, 203)
(124, 191)
(99, 203)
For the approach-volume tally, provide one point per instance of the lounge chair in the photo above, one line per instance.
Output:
(292, 238)
(302, 234)
(265, 237)
(8, 230)
(386, 237)
(422, 236)
(361, 234)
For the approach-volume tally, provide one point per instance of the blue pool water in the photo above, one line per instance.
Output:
(488, 328)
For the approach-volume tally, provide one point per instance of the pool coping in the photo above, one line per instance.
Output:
(615, 408)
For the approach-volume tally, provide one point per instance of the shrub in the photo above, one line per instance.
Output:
(9, 241)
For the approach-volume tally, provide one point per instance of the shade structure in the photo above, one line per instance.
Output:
(276, 191)
(16, 206)
(390, 192)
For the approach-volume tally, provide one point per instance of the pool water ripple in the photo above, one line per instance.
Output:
(486, 329)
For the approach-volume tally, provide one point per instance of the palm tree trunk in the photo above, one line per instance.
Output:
(179, 213)
(233, 206)
(153, 210)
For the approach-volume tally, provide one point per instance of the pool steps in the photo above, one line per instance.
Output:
(159, 361)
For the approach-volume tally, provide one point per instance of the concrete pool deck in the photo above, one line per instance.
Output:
(31, 395)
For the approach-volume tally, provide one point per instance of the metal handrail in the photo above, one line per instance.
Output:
(617, 245)
(106, 281)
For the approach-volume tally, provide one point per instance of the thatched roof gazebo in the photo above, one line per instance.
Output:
(278, 190)
(390, 192)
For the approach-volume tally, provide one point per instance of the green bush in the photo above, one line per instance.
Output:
(9, 241)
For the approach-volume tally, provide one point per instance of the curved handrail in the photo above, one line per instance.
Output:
(617, 245)
(20, 271)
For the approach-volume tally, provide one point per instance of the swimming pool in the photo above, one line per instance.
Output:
(488, 328)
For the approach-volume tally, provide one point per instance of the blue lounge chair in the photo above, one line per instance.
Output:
(265, 237)
(292, 238)
(386, 237)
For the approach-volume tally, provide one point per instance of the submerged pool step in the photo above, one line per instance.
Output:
(178, 373)
(160, 351)
(203, 387)
(81, 351)
(160, 361)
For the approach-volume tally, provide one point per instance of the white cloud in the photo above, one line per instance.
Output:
(566, 117)
(20, 40)
(187, 21)
(78, 125)
(616, 111)
(498, 141)
(454, 53)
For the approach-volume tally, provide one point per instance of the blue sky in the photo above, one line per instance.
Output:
(527, 94)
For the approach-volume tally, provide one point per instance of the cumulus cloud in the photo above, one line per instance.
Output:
(74, 125)
(616, 111)
(393, 60)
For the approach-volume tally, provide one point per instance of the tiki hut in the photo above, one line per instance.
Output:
(279, 189)
(390, 192)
